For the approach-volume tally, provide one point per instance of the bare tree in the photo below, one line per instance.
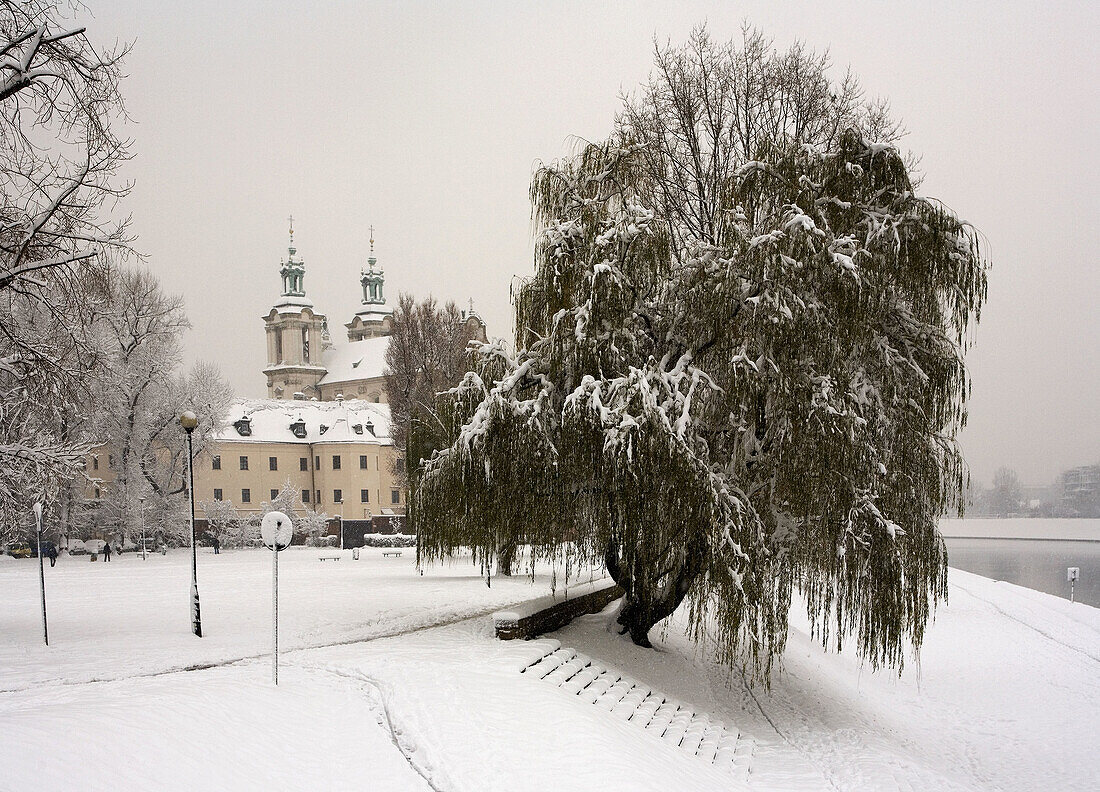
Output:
(426, 355)
(59, 158)
(1006, 496)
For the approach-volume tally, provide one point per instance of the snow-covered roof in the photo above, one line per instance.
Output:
(290, 303)
(276, 421)
(355, 360)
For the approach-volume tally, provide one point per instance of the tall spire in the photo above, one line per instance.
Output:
(293, 272)
(372, 279)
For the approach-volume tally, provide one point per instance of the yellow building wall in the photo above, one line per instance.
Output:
(320, 477)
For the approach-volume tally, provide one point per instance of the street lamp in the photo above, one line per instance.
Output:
(189, 421)
(141, 500)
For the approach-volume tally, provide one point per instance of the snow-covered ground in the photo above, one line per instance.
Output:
(1006, 696)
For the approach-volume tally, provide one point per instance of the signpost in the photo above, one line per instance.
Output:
(41, 571)
(1073, 574)
(276, 530)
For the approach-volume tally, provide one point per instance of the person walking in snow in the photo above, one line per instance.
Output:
(106, 551)
(217, 546)
(51, 553)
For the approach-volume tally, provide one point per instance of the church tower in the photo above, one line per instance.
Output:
(374, 318)
(296, 335)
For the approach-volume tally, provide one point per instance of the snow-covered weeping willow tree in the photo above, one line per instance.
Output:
(741, 366)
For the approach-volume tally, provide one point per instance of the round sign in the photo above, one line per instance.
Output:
(276, 529)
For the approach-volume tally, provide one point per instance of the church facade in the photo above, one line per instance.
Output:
(325, 427)
(303, 361)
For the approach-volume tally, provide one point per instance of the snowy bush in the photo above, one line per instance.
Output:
(389, 540)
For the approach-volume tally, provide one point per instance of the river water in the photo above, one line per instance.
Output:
(1036, 556)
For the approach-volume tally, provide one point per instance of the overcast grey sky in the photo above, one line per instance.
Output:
(426, 119)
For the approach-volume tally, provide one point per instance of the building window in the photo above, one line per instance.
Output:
(362, 461)
(244, 463)
(246, 496)
(305, 496)
(216, 462)
(364, 496)
(95, 463)
(273, 463)
(399, 465)
(111, 461)
(318, 497)
(97, 493)
(303, 463)
(395, 496)
(217, 493)
(274, 494)
(335, 461)
(337, 496)
(317, 463)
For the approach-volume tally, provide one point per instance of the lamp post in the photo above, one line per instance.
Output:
(189, 421)
(141, 501)
(41, 573)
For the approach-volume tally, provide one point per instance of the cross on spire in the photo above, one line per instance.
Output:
(291, 219)
(372, 240)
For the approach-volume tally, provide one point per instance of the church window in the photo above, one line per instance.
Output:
(363, 462)
(273, 463)
(244, 463)
(337, 496)
(305, 496)
(303, 464)
(317, 463)
(335, 461)
(217, 493)
(364, 496)
(318, 497)
(278, 346)
(246, 496)
(305, 344)
(216, 462)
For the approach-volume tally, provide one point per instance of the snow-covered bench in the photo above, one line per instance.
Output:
(328, 558)
(545, 614)
(391, 552)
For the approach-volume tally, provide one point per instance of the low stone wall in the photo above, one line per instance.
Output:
(548, 613)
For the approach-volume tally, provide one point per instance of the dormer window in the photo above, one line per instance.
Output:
(323, 428)
(370, 427)
(299, 429)
(357, 428)
(243, 426)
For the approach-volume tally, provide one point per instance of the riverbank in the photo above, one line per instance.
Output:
(1062, 529)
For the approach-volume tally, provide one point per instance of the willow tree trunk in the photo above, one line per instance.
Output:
(651, 594)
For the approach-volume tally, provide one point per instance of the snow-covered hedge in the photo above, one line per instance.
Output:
(389, 540)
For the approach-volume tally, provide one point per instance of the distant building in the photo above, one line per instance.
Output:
(1080, 491)
(303, 362)
(325, 426)
(338, 457)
